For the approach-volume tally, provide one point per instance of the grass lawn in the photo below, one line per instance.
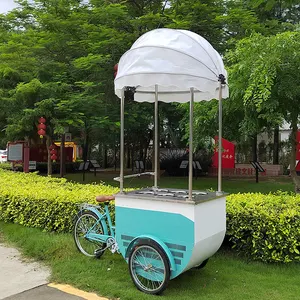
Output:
(226, 275)
(230, 185)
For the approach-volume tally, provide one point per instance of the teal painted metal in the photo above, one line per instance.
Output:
(97, 237)
(101, 218)
(172, 231)
(111, 227)
(159, 242)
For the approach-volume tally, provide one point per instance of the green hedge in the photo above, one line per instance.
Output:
(265, 227)
(44, 202)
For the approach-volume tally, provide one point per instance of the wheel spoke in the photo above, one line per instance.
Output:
(148, 269)
(85, 222)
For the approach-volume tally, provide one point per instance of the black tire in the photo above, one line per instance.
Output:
(153, 254)
(202, 265)
(84, 221)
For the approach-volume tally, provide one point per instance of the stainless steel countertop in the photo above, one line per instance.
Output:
(171, 195)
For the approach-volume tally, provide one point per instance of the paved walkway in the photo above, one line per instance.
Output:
(21, 279)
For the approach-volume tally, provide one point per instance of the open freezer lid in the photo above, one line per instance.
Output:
(176, 61)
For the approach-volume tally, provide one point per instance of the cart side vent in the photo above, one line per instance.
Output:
(177, 261)
(176, 247)
(127, 237)
(177, 254)
(125, 244)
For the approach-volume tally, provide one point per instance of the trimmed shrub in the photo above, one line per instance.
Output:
(44, 202)
(265, 227)
(5, 166)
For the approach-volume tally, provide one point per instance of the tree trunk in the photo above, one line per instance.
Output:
(104, 156)
(254, 147)
(128, 165)
(62, 156)
(85, 151)
(276, 146)
(49, 161)
(294, 176)
(254, 155)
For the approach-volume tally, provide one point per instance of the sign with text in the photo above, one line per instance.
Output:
(32, 165)
(228, 154)
(15, 152)
(256, 165)
(184, 164)
(84, 166)
(94, 163)
(68, 137)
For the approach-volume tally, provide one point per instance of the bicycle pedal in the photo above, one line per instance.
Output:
(98, 253)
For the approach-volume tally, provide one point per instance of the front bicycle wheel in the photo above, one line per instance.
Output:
(149, 268)
(85, 222)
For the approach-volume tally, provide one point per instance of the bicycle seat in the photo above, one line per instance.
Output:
(103, 198)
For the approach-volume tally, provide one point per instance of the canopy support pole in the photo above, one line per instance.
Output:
(191, 145)
(219, 192)
(122, 142)
(156, 137)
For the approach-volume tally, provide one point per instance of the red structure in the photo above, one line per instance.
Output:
(39, 153)
(228, 155)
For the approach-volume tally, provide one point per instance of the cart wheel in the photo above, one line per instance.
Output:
(83, 222)
(202, 265)
(149, 267)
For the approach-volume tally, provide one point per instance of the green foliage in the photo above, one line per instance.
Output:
(265, 227)
(44, 202)
(5, 166)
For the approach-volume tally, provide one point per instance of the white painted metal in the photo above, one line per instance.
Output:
(122, 143)
(156, 140)
(219, 192)
(191, 144)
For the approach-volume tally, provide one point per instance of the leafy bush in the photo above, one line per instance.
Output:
(44, 202)
(265, 227)
(5, 166)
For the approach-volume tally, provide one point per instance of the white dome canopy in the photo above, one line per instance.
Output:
(176, 61)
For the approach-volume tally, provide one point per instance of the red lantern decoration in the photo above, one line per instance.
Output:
(116, 70)
(53, 152)
(42, 120)
(41, 133)
(42, 127)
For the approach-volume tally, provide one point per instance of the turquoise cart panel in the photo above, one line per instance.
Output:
(175, 230)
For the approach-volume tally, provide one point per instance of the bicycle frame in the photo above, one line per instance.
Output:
(103, 238)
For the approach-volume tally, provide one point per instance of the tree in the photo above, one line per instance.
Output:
(264, 71)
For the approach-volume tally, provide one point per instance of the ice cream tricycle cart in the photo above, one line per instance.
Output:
(161, 233)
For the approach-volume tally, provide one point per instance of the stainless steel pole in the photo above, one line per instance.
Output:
(122, 143)
(219, 192)
(156, 137)
(191, 145)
